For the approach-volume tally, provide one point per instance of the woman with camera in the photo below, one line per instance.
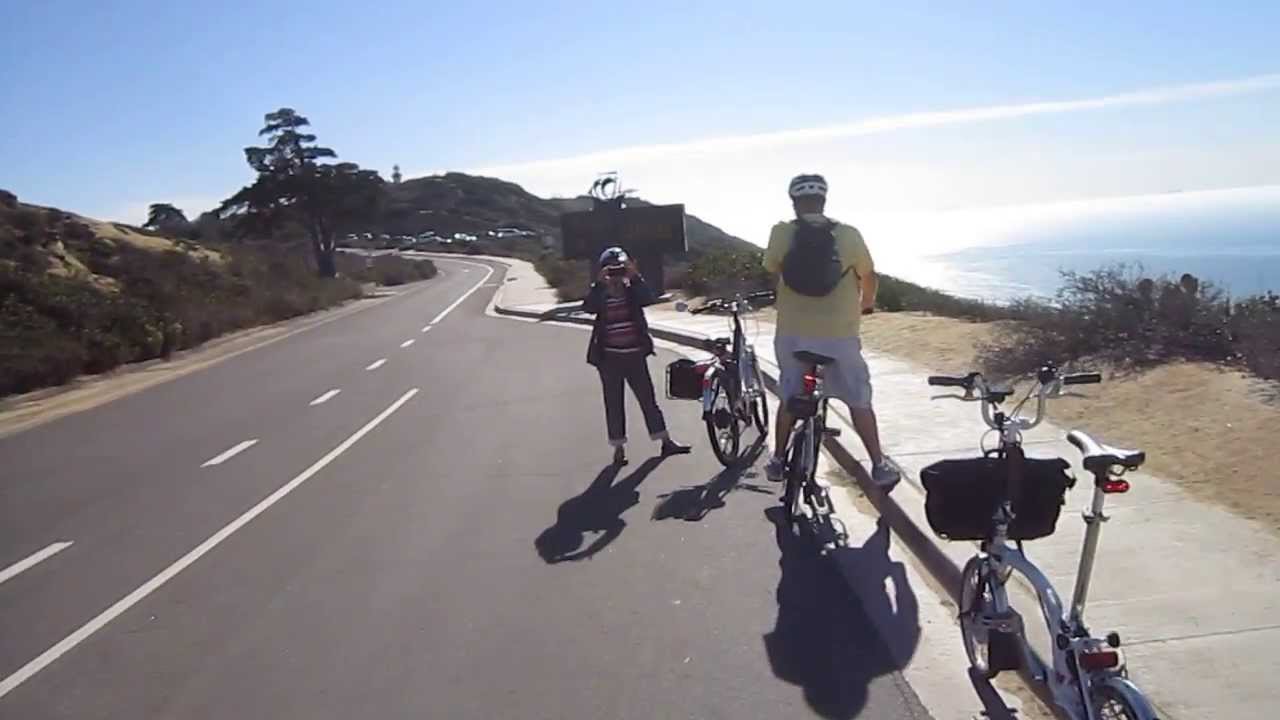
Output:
(620, 347)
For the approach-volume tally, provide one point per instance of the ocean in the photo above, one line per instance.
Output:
(1228, 237)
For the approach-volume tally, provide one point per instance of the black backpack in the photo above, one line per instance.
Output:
(812, 265)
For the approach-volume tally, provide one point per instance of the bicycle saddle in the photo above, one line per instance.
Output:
(812, 358)
(1100, 458)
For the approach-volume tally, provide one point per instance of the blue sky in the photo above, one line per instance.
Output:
(110, 106)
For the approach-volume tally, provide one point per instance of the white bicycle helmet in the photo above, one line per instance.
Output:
(807, 185)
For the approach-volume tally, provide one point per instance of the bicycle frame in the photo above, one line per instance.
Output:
(807, 435)
(741, 356)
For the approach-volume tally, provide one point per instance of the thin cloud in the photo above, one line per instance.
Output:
(889, 123)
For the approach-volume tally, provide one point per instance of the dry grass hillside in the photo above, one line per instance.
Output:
(79, 295)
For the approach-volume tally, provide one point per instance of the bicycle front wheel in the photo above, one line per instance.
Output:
(760, 406)
(976, 602)
(724, 428)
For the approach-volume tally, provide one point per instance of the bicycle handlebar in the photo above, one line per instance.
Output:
(719, 302)
(1048, 381)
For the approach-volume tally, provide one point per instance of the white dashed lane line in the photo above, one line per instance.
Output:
(69, 642)
(325, 397)
(406, 343)
(426, 328)
(377, 364)
(33, 559)
(230, 453)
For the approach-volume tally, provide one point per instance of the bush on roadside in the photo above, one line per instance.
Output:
(53, 328)
(570, 278)
(897, 295)
(1119, 318)
(724, 272)
(389, 269)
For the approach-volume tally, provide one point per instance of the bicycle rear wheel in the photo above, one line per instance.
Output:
(975, 601)
(724, 428)
(792, 481)
(1108, 704)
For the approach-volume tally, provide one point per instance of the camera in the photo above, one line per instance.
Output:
(616, 271)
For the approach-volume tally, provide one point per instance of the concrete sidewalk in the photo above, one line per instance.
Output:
(1190, 587)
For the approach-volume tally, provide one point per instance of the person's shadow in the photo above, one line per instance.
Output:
(825, 639)
(598, 509)
(693, 503)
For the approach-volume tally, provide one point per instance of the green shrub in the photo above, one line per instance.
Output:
(723, 272)
(389, 269)
(1116, 316)
(53, 328)
(897, 295)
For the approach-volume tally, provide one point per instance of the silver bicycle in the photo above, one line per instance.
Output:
(733, 393)
(1087, 679)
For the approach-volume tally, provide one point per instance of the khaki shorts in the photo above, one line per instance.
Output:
(848, 378)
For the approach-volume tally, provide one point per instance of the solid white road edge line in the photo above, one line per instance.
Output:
(406, 343)
(465, 295)
(377, 364)
(69, 642)
(33, 559)
(229, 453)
(325, 397)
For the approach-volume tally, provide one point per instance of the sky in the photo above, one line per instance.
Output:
(909, 109)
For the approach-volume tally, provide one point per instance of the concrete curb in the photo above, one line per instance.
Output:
(920, 541)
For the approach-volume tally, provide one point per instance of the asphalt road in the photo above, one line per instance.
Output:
(439, 539)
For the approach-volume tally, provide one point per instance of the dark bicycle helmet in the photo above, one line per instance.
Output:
(614, 256)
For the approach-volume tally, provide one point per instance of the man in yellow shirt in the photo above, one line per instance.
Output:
(824, 288)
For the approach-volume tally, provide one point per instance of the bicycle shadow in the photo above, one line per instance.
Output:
(598, 509)
(825, 639)
(872, 566)
(692, 504)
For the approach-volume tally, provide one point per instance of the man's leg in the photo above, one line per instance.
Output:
(790, 382)
(782, 429)
(855, 374)
(864, 423)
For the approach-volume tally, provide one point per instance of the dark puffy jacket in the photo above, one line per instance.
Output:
(638, 295)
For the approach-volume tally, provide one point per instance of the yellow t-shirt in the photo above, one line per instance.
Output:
(838, 314)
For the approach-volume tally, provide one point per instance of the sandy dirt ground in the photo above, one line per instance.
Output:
(1209, 429)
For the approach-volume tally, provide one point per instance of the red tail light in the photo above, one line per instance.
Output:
(1115, 486)
(810, 383)
(1098, 659)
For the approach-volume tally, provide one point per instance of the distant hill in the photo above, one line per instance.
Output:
(457, 202)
